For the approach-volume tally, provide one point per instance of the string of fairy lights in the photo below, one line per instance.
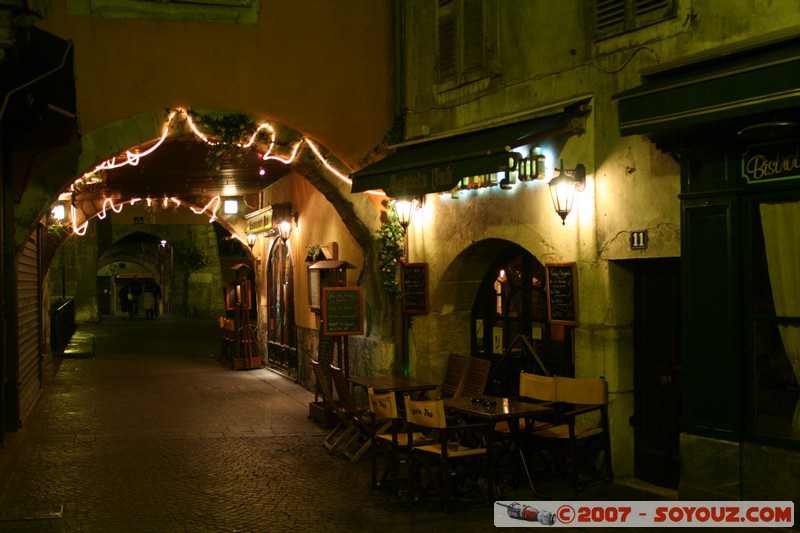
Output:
(132, 158)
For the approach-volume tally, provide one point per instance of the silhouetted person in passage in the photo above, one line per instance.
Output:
(123, 298)
(148, 301)
(136, 291)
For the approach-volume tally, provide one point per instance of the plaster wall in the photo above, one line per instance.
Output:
(317, 223)
(631, 185)
(297, 65)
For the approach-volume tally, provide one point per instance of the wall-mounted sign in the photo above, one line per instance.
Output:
(771, 162)
(562, 293)
(259, 221)
(497, 340)
(639, 239)
(342, 311)
(325, 274)
(415, 288)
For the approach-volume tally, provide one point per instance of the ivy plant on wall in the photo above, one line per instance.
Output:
(190, 256)
(390, 252)
(231, 132)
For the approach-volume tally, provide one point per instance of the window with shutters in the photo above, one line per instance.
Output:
(464, 43)
(614, 17)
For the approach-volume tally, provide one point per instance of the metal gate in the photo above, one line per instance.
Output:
(29, 331)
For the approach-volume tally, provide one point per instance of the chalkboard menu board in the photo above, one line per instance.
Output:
(415, 288)
(562, 293)
(342, 311)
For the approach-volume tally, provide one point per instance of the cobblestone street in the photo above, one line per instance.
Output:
(151, 432)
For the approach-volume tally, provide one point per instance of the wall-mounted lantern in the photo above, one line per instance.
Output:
(284, 229)
(251, 240)
(563, 187)
(59, 212)
(403, 208)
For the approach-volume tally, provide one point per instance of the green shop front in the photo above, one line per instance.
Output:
(731, 117)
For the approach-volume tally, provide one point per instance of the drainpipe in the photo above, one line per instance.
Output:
(3, 346)
(403, 368)
(399, 61)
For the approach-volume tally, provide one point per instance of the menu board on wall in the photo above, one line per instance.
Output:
(342, 311)
(562, 293)
(415, 288)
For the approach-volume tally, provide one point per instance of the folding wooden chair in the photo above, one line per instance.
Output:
(580, 439)
(390, 443)
(533, 388)
(455, 462)
(344, 431)
(361, 419)
(454, 377)
(476, 378)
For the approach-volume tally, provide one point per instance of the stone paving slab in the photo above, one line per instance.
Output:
(155, 434)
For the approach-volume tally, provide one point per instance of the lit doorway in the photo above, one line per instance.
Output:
(511, 303)
(281, 330)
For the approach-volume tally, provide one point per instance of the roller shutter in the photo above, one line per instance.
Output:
(29, 326)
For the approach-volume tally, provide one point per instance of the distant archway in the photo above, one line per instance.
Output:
(311, 160)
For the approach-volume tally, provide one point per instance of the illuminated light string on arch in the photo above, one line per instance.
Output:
(108, 203)
(133, 158)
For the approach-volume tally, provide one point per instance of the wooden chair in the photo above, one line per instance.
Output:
(360, 419)
(392, 445)
(580, 439)
(454, 377)
(457, 459)
(533, 388)
(344, 431)
(477, 375)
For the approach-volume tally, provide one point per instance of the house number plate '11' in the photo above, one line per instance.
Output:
(639, 239)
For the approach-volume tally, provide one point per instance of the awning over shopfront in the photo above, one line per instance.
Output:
(438, 165)
(37, 84)
(726, 84)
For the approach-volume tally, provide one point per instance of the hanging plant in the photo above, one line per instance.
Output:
(390, 253)
(230, 133)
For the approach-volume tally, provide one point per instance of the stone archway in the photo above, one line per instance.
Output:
(323, 170)
(452, 303)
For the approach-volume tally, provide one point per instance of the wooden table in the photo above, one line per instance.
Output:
(398, 384)
(498, 409)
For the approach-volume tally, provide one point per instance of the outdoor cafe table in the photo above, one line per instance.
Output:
(502, 409)
(397, 384)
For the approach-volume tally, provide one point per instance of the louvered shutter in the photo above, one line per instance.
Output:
(447, 62)
(473, 38)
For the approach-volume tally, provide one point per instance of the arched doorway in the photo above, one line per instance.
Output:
(281, 333)
(509, 315)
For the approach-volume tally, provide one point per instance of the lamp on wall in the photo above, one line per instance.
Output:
(251, 240)
(284, 229)
(563, 187)
(59, 212)
(403, 208)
